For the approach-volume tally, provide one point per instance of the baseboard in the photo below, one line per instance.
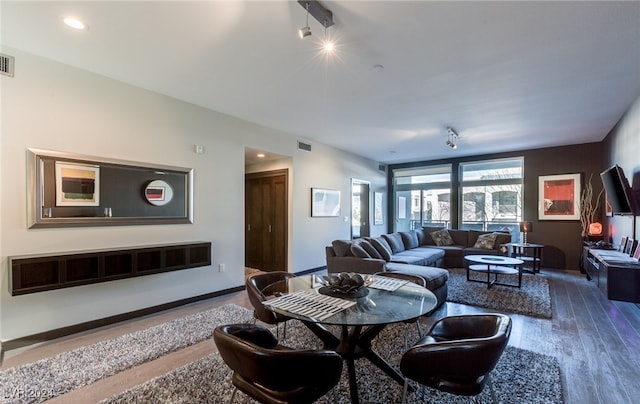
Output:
(89, 325)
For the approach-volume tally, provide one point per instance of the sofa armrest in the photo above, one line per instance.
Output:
(354, 264)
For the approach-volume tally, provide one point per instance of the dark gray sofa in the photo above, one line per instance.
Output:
(464, 242)
(413, 252)
(356, 256)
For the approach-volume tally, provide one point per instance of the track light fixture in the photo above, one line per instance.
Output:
(452, 138)
(317, 11)
(306, 30)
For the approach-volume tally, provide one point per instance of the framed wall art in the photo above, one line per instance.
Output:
(378, 216)
(325, 202)
(77, 184)
(559, 197)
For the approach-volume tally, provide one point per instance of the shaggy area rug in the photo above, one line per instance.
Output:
(521, 376)
(532, 299)
(64, 372)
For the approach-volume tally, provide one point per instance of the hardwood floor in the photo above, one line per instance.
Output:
(597, 342)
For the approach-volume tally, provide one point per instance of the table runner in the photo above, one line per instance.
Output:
(312, 305)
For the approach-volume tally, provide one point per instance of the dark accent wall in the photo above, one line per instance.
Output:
(562, 239)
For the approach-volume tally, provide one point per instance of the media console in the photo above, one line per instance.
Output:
(38, 273)
(614, 272)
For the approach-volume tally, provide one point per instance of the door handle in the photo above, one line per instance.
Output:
(249, 227)
(269, 228)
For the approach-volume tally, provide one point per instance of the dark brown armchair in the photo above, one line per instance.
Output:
(272, 373)
(260, 287)
(458, 354)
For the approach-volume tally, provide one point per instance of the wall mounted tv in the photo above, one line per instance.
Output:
(619, 193)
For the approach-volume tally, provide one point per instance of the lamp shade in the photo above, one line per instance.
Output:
(595, 229)
(526, 227)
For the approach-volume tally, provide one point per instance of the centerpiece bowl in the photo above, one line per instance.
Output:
(348, 283)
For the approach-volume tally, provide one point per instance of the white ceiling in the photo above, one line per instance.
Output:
(506, 75)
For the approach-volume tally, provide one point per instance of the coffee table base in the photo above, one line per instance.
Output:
(495, 270)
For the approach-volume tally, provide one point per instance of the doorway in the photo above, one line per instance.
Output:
(266, 220)
(360, 226)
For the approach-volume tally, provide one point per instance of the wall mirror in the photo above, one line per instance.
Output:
(70, 190)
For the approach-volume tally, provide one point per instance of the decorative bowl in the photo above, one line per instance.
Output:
(347, 282)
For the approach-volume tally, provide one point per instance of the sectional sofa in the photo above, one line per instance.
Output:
(421, 252)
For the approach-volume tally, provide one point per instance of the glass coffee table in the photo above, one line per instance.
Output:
(494, 265)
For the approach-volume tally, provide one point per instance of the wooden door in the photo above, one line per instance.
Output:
(266, 220)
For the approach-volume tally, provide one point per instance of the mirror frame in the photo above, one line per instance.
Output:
(35, 192)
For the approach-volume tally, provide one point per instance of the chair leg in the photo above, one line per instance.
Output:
(406, 338)
(233, 395)
(405, 390)
(493, 393)
(419, 329)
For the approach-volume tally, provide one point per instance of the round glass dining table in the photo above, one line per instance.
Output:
(359, 323)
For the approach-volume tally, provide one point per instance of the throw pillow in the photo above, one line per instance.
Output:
(383, 248)
(486, 241)
(442, 237)
(342, 248)
(395, 242)
(410, 239)
(358, 251)
(369, 248)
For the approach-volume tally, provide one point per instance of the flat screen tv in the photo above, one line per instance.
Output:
(619, 193)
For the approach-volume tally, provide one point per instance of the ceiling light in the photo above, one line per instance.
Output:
(306, 30)
(260, 155)
(327, 45)
(321, 14)
(75, 23)
(452, 138)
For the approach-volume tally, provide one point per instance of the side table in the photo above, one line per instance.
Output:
(530, 253)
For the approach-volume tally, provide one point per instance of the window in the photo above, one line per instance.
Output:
(491, 194)
(488, 197)
(422, 196)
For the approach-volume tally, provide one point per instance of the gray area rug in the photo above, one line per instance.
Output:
(521, 376)
(532, 299)
(64, 372)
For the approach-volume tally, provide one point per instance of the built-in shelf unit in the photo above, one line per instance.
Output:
(38, 273)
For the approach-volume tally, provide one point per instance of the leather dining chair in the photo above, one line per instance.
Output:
(458, 354)
(418, 280)
(260, 287)
(271, 373)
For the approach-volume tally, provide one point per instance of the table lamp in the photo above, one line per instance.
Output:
(525, 227)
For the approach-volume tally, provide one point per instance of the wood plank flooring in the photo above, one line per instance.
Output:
(597, 342)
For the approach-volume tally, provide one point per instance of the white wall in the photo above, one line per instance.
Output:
(51, 106)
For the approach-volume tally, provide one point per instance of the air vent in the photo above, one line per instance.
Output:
(304, 146)
(6, 65)
(382, 168)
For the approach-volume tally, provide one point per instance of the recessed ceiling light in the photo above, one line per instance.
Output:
(75, 23)
(378, 67)
(260, 155)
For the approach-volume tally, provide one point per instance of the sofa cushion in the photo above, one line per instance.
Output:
(435, 277)
(370, 249)
(410, 239)
(486, 241)
(460, 237)
(442, 237)
(382, 246)
(428, 239)
(358, 251)
(405, 258)
(502, 238)
(342, 248)
(395, 242)
(430, 255)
